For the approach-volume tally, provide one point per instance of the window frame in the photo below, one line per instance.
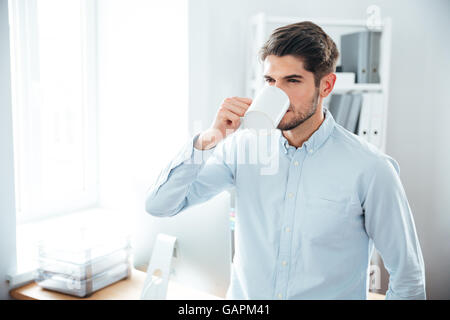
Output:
(23, 26)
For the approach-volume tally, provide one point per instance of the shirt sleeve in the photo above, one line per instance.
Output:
(192, 177)
(390, 224)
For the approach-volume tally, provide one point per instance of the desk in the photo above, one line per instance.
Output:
(126, 289)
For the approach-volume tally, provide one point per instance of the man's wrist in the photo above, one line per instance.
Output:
(207, 140)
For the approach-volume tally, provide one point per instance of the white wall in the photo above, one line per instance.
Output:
(419, 99)
(143, 102)
(7, 200)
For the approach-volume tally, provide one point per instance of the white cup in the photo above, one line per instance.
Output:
(267, 109)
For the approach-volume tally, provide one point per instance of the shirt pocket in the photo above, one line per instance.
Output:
(325, 218)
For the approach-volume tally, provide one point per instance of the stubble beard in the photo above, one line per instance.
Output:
(301, 117)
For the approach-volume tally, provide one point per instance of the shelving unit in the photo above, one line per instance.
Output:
(359, 87)
(261, 26)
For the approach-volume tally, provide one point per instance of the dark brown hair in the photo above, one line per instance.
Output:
(307, 41)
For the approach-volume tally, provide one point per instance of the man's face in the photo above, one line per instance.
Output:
(288, 74)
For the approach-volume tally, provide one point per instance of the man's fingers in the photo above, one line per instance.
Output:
(237, 109)
(228, 115)
(234, 108)
(247, 101)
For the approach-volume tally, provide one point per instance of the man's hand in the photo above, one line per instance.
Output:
(227, 121)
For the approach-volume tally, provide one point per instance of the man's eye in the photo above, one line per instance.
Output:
(269, 80)
(293, 80)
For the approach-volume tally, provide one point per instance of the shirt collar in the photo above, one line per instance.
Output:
(318, 137)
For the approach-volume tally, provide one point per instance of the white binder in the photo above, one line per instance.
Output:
(370, 125)
(376, 120)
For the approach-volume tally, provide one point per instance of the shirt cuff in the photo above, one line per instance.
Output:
(188, 155)
(200, 156)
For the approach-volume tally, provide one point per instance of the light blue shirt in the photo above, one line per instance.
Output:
(308, 218)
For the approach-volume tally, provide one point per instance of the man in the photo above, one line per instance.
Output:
(307, 230)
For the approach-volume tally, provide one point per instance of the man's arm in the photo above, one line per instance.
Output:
(202, 168)
(194, 176)
(389, 222)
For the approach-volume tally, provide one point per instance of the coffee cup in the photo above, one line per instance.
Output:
(267, 109)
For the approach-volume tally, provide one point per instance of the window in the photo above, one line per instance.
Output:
(94, 92)
(53, 73)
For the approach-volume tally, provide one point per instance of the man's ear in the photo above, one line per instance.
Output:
(327, 84)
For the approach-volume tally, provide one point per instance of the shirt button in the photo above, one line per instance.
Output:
(311, 151)
(284, 263)
(296, 163)
(280, 296)
(290, 194)
(288, 229)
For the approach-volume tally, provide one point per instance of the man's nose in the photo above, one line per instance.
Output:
(276, 84)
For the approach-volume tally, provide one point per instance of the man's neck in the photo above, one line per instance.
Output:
(297, 136)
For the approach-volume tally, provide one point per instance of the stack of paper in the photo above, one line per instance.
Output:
(81, 261)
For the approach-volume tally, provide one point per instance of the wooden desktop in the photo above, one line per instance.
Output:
(126, 289)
